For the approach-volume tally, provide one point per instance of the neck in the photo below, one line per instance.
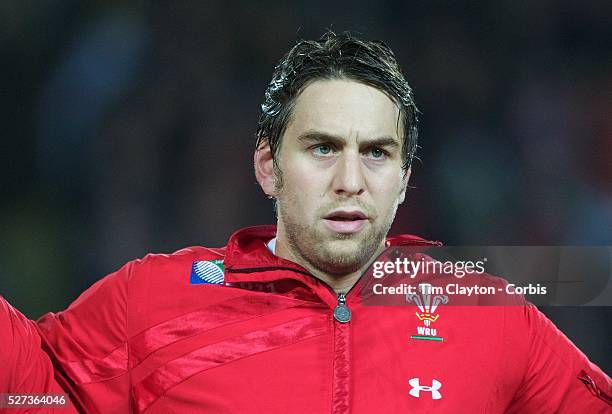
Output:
(339, 283)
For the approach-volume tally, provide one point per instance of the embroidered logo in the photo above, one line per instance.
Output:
(416, 389)
(427, 304)
(207, 272)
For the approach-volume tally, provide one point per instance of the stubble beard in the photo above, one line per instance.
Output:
(335, 255)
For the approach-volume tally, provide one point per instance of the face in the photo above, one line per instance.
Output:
(342, 176)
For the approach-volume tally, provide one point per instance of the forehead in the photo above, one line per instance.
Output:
(344, 108)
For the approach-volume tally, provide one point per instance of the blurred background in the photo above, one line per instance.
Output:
(128, 128)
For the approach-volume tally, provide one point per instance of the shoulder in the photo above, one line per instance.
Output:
(159, 267)
(15, 329)
(161, 287)
(159, 278)
(185, 255)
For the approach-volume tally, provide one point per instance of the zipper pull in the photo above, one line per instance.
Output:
(341, 312)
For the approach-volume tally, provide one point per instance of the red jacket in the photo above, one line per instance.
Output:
(176, 334)
(25, 370)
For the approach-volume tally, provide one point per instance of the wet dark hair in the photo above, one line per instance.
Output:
(335, 56)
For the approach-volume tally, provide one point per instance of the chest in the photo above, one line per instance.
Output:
(260, 353)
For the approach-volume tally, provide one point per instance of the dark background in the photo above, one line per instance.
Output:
(128, 127)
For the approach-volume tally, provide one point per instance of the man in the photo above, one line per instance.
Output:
(272, 322)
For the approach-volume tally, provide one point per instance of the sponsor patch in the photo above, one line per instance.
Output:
(416, 388)
(207, 272)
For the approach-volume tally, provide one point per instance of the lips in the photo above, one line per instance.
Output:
(346, 221)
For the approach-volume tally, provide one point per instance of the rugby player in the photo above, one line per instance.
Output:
(272, 323)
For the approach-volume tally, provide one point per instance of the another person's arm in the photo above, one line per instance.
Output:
(25, 369)
(88, 345)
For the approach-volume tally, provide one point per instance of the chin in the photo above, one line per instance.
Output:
(343, 256)
(340, 265)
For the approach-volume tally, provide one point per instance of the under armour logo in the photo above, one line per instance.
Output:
(417, 388)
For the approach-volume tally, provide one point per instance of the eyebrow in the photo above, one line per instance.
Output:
(310, 137)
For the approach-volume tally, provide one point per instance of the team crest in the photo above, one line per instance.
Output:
(207, 272)
(427, 304)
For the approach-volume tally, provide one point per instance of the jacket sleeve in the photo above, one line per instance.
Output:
(24, 367)
(558, 377)
(88, 345)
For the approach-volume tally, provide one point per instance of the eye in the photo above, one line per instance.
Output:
(322, 150)
(376, 153)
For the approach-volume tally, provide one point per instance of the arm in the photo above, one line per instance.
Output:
(559, 378)
(24, 367)
(88, 345)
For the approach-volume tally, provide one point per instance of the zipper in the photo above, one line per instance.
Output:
(341, 381)
(342, 356)
(341, 312)
(342, 348)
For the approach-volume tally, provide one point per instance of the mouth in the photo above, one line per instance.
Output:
(346, 221)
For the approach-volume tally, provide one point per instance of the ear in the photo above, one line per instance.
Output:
(405, 178)
(264, 169)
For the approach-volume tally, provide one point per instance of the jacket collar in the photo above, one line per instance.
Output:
(249, 259)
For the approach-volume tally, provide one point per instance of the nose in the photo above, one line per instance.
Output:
(349, 179)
